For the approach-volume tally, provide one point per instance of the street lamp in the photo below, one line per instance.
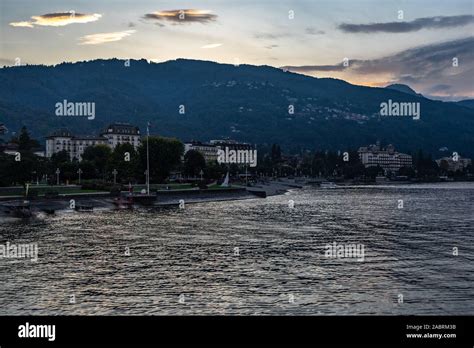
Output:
(57, 176)
(147, 181)
(246, 176)
(79, 171)
(37, 179)
(114, 172)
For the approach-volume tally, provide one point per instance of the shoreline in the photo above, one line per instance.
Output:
(169, 198)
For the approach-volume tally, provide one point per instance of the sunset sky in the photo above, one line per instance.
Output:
(382, 48)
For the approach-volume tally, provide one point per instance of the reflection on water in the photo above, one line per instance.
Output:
(280, 256)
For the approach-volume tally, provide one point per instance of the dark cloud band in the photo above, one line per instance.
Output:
(424, 66)
(314, 68)
(404, 27)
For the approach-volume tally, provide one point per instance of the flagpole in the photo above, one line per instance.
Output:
(147, 159)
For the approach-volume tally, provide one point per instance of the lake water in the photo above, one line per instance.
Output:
(256, 256)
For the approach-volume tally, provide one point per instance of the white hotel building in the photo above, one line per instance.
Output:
(114, 134)
(210, 151)
(388, 159)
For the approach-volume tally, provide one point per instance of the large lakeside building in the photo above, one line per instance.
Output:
(231, 144)
(388, 159)
(210, 150)
(113, 135)
(453, 164)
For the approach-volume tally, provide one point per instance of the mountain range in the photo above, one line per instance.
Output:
(202, 100)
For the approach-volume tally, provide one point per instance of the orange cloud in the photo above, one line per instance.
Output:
(58, 19)
(182, 16)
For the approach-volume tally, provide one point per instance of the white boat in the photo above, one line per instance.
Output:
(327, 185)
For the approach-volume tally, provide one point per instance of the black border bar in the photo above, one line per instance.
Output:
(225, 330)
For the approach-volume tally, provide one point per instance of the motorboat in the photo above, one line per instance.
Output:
(20, 210)
(84, 207)
(124, 202)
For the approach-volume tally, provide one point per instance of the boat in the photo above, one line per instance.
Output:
(144, 198)
(19, 210)
(84, 207)
(327, 185)
(124, 202)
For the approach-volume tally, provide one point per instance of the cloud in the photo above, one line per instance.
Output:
(404, 27)
(414, 62)
(420, 62)
(97, 39)
(269, 47)
(314, 68)
(22, 24)
(271, 36)
(182, 16)
(441, 88)
(314, 31)
(6, 62)
(58, 19)
(215, 45)
(422, 67)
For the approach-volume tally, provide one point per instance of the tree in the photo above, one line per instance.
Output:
(87, 168)
(319, 164)
(59, 158)
(99, 156)
(406, 171)
(24, 141)
(214, 170)
(125, 160)
(40, 168)
(24, 168)
(425, 166)
(7, 173)
(353, 167)
(276, 154)
(372, 172)
(69, 171)
(194, 162)
(165, 154)
(444, 166)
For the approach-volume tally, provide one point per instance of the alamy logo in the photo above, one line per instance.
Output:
(237, 156)
(14, 251)
(84, 109)
(391, 108)
(37, 331)
(340, 250)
